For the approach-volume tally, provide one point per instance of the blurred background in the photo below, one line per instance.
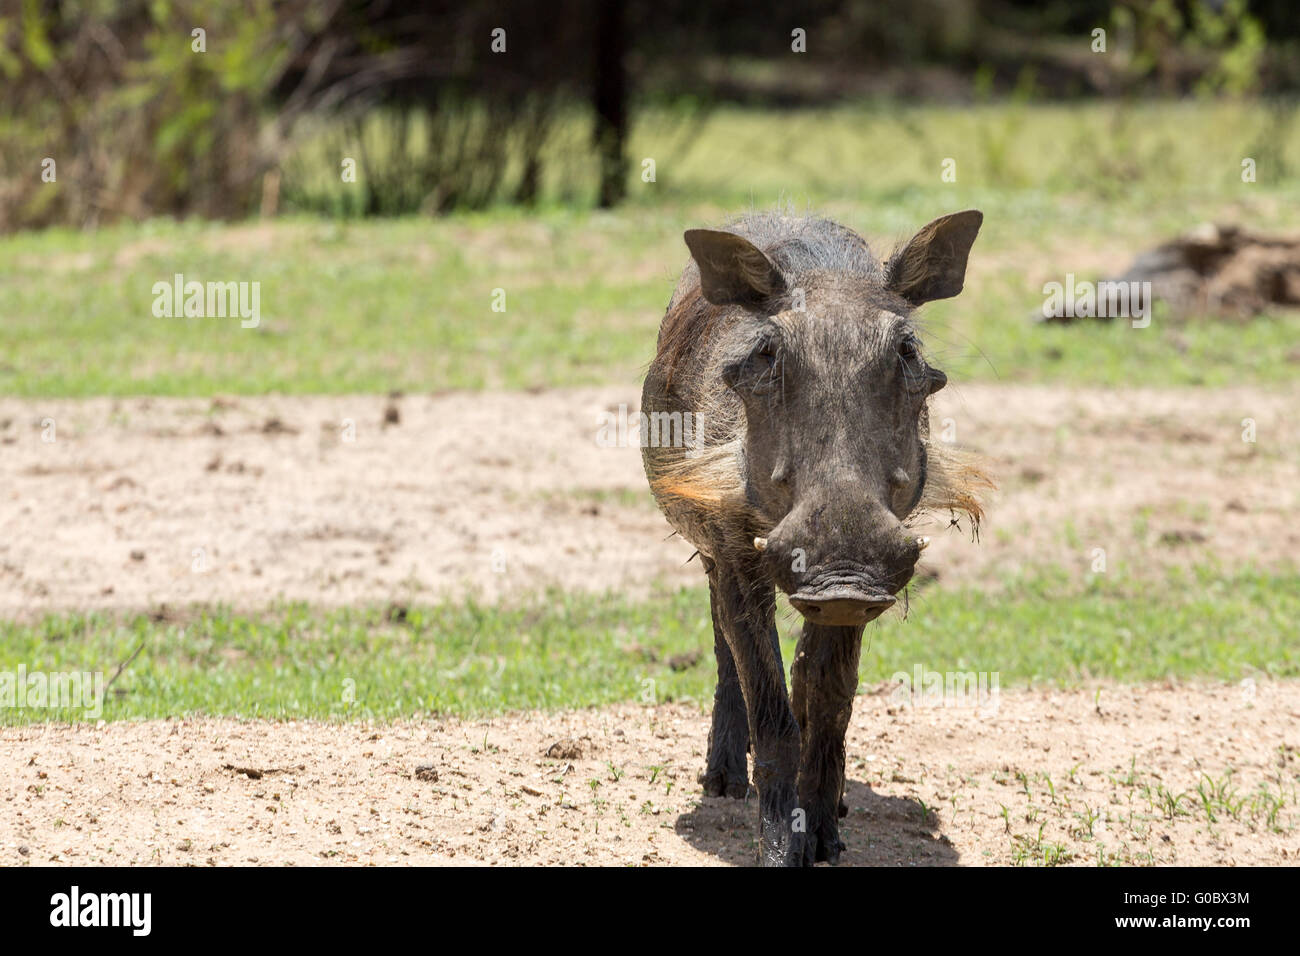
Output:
(474, 105)
(559, 150)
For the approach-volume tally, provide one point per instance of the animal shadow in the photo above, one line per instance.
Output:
(878, 831)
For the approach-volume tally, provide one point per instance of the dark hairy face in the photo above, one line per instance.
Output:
(834, 385)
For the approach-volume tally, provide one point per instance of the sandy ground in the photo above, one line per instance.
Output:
(1071, 778)
(140, 502)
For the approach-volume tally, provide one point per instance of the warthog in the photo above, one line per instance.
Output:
(794, 349)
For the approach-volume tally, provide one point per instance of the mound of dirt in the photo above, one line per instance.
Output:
(1219, 270)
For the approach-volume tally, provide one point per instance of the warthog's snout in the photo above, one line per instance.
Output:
(842, 607)
(841, 563)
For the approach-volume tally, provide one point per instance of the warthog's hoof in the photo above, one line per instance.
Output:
(822, 843)
(721, 783)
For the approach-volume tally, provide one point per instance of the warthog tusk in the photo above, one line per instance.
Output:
(760, 543)
(922, 543)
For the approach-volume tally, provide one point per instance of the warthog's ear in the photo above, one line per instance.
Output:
(933, 263)
(733, 271)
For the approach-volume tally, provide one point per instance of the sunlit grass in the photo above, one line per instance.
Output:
(567, 650)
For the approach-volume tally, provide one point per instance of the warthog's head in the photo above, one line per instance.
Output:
(829, 368)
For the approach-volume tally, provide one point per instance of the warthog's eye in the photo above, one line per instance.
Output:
(759, 372)
(917, 374)
(911, 366)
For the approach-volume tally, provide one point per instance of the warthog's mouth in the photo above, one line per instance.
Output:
(841, 605)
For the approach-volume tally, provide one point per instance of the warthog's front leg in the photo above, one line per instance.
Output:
(825, 678)
(744, 611)
(727, 770)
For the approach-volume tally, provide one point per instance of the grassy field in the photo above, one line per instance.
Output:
(565, 650)
(370, 306)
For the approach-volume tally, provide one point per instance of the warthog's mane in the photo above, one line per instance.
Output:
(711, 478)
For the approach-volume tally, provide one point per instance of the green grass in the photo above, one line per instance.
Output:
(368, 306)
(566, 650)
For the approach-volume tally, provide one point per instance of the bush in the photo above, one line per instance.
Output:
(139, 113)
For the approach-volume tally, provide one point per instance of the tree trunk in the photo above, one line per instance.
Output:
(610, 101)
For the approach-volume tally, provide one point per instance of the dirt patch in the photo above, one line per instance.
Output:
(341, 500)
(1108, 773)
